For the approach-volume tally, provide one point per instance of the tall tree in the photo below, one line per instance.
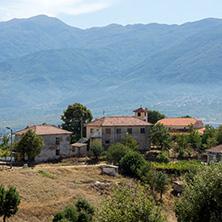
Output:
(74, 118)
(154, 116)
(9, 201)
(160, 136)
(30, 144)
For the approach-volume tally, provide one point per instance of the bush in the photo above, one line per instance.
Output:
(81, 212)
(202, 196)
(131, 162)
(82, 204)
(181, 153)
(163, 157)
(115, 152)
(129, 204)
(96, 149)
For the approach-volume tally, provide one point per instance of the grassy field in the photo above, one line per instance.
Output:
(48, 188)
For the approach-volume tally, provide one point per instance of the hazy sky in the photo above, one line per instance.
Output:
(91, 13)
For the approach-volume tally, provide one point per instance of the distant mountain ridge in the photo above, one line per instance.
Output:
(45, 65)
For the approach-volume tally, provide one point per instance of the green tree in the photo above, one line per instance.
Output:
(9, 201)
(161, 183)
(81, 212)
(115, 152)
(96, 149)
(182, 140)
(131, 162)
(194, 137)
(30, 144)
(219, 135)
(201, 199)
(147, 173)
(209, 132)
(130, 142)
(129, 204)
(160, 136)
(154, 116)
(74, 118)
(187, 116)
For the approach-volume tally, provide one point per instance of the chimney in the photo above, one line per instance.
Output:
(59, 126)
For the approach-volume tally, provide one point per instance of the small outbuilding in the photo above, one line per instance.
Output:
(214, 154)
(79, 149)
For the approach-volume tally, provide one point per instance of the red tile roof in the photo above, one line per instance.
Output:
(141, 110)
(217, 149)
(118, 121)
(44, 129)
(178, 121)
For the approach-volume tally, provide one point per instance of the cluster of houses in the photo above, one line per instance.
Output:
(108, 130)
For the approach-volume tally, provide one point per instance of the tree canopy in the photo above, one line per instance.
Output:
(73, 117)
(202, 196)
(154, 116)
(9, 201)
(30, 144)
(129, 204)
(160, 136)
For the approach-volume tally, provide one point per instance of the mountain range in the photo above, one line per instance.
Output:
(45, 65)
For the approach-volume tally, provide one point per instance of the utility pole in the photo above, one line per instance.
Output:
(11, 147)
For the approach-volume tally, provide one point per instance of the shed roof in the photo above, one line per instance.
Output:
(118, 121)
(44, 129)
(216, 149)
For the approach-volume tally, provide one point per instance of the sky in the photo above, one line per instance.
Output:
(97, 13)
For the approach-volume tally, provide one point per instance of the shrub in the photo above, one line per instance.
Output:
(115, 152)
(163, 157)
(131, 162)
(96, 149)
(129, 204)
(181, 153)
(202, 197)
(82, 204)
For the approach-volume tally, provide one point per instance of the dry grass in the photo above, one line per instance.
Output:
(42, 196)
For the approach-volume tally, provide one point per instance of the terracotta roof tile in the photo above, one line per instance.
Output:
(44, 129)
(119, 121)
(178, 121)
(141, 110)
(216, 149)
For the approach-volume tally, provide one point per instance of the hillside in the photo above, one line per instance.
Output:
(45, 65)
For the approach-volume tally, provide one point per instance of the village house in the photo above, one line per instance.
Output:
(214, 154)
(177, 125)
(56, 141)
(112, 129)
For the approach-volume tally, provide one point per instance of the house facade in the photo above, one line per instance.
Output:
(181, 124)
(113, 129)
(56, 141)
(214, 154)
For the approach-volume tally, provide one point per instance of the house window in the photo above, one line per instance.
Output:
(107, 141)
(139, 114)
(108, 131)
(118, 131)
(57, 152)
(144, 114)
(142, 130)
(129, 130)
(91, 130)
(57, 141)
